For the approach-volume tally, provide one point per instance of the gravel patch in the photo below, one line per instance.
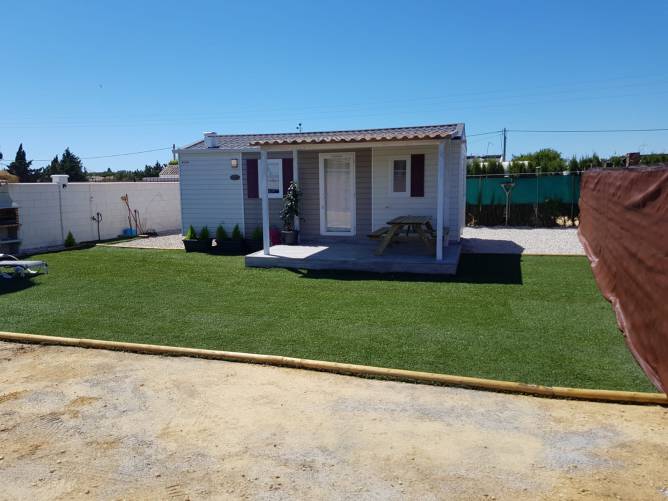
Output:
(160, 242)
(479, 240)
(503, 240)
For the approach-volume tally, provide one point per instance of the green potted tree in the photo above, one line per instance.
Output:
(237, 241)
(289, 212)
(221, 239)
(190, 241)
(205, 240)
(254, 243)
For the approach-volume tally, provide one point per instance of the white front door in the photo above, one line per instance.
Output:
(337, 194)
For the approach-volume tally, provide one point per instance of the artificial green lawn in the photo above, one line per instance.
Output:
(540, 321)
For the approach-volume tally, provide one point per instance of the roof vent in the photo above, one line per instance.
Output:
(211, 140)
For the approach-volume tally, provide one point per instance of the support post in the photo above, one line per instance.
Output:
(295, 177)
(264, 195)
(440, 201)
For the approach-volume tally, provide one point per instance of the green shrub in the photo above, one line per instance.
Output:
(257, 234)
(236, 233)
(290, 207)
(204, 234)
(69, 240)
(190, 234)
(221, 234)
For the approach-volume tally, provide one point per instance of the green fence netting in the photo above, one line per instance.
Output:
(485, 190)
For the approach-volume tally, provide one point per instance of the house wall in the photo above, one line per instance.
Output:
(253, 206)
(41, 206)
(386, 206)
(209, 196)
(309, 181)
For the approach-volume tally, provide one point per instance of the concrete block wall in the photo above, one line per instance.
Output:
(42, 207)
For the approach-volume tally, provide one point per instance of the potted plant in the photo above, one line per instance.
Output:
(289, 212)
(237, 241)
(221, 239)
(254, 243)
(205, 240)
(190, 241)
(231, 246)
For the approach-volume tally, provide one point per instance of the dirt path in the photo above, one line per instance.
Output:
(78, 423)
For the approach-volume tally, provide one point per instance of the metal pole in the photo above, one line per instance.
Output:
(505, 135)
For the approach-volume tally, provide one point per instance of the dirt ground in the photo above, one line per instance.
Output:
(77, 423)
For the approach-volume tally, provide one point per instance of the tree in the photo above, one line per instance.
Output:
(493, 166)
(69, 164)
(547, 159)
(474, 168)
(20, 167)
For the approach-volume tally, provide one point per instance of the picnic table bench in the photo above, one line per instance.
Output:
(420, 224)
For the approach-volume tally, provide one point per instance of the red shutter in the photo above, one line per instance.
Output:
(252, 178)
(287, 174)
(417, 175)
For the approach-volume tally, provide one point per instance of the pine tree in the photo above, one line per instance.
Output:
(20, 167)
(53, 168)
(71, 165)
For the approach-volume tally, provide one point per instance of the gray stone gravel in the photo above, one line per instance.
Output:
(483, 240)
(173, 241)
(508, 240)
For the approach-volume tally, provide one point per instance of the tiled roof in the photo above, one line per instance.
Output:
(170, 170)
(424, 132)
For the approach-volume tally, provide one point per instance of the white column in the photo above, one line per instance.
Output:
(295, 177)
(264, 195)
(440, 198)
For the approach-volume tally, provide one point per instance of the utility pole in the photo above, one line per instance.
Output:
(173, 151)
(505, 137)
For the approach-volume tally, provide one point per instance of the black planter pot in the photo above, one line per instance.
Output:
(289, 237)
(198, 245)
(252, 245)
(228, 247)
(191, 245)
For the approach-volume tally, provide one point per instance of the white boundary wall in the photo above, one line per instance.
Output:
(47, 211)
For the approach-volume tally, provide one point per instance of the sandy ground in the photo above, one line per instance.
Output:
(488, 240)
(77, 423)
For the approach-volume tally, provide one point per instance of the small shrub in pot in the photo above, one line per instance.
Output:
(254, 243)
(205, 239)
(190, 241)
(221, 238)
(289, 212)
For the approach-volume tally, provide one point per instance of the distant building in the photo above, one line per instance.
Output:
(170, 173)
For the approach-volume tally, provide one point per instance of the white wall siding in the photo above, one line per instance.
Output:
(42, 204)
(209, 196)
(386, 206)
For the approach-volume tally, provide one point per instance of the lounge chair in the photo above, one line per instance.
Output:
(12, 267)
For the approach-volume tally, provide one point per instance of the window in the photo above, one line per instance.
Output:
(400, 176)
(275, 178)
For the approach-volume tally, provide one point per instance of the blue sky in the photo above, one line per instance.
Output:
(115, 77)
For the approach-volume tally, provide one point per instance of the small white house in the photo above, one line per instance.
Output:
(352, 182)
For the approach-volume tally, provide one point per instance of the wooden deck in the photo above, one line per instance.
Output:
(404, 257)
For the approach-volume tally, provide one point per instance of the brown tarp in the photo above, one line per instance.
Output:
(624, 231)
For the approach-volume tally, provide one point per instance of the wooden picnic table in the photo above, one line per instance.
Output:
(420, 224)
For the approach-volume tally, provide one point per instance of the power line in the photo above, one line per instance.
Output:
(485, 133)
(114, 155)
(582, 131)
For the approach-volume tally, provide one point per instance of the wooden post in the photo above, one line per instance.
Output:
(264, 195)
(295, 177)
(440, 201)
